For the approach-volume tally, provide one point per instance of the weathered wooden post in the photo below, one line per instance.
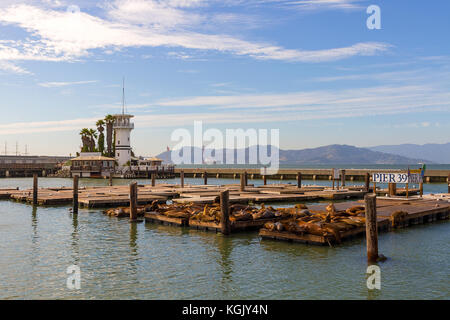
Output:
(265, 179)
(35, 189)
(224, 213)
(146, 172)
(242, 182)
(343, 178)
(371, 227)
(133, 201)
(421, 189)
(392, 187)
(374, 187)
(246, 178)
(367, 181)
(75, 194)
(407, 190)
(299, 179)
(332, 176)
(182, 178)
(153, 179)
(110, 179)
(205, 178)
(448, 184)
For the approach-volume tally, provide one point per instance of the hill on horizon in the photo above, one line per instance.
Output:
(331, 154)
(438, 153)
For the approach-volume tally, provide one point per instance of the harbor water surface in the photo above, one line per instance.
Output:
(119, 260)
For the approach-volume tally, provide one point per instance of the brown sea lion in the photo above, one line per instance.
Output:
(397, 217)
(270, 226)
(355, 210)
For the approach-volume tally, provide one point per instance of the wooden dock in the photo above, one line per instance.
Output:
(235, 226)
(107, 196)
(418, 212)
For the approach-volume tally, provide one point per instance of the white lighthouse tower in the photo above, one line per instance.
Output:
(122, 128)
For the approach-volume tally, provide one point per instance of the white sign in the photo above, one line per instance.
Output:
(386, 177)
(415, 178)
(336, 173)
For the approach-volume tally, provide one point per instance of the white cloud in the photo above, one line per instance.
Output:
(64, 84)
(328, 4)
(264, 108)
(11, 67)
(58, 35)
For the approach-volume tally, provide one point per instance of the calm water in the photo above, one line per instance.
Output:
(124, 261)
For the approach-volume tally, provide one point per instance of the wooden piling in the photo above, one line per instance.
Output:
(299, 179)
(75, 195)
(421, 189)
(246, 178)
(110, 179)
(367, 181)
(242, 182)
(35, 189)
(343, 178)
(371, 227)
(332, 177)
(265, 179)
(205, 178)
(133, 201)
(407, 190)
(392, 188)
(224, 213)
(182, 178)
(153, 180)
(374, 187)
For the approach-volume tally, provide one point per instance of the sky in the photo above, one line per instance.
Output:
(310, 68)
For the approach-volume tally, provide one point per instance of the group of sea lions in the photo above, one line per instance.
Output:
(208, 212)
(329, 223)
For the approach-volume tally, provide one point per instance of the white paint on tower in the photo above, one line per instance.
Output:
(122, 128)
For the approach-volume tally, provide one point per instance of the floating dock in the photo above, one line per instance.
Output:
(235, 226)
(418, 211)
(109, 196)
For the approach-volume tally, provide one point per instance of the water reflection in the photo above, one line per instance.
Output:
(225, 247)
(34, 224)
(75, 240)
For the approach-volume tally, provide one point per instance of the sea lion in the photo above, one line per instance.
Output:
(355, 210)
(397, 217)
(331, 208)
(270, 226)
(279, 226)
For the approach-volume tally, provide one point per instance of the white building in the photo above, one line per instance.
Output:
(122, 128)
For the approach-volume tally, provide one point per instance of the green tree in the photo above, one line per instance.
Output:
(101, 137)
(92, 135)
(84, 133)
(109, 120)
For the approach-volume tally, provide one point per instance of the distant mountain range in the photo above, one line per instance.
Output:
(332, 154)
(438, 153)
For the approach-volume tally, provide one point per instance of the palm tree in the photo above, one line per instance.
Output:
(92, 134)
(109, 120)
(84, 133)
(101, 137)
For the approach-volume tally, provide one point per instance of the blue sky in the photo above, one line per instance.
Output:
(309, 68)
